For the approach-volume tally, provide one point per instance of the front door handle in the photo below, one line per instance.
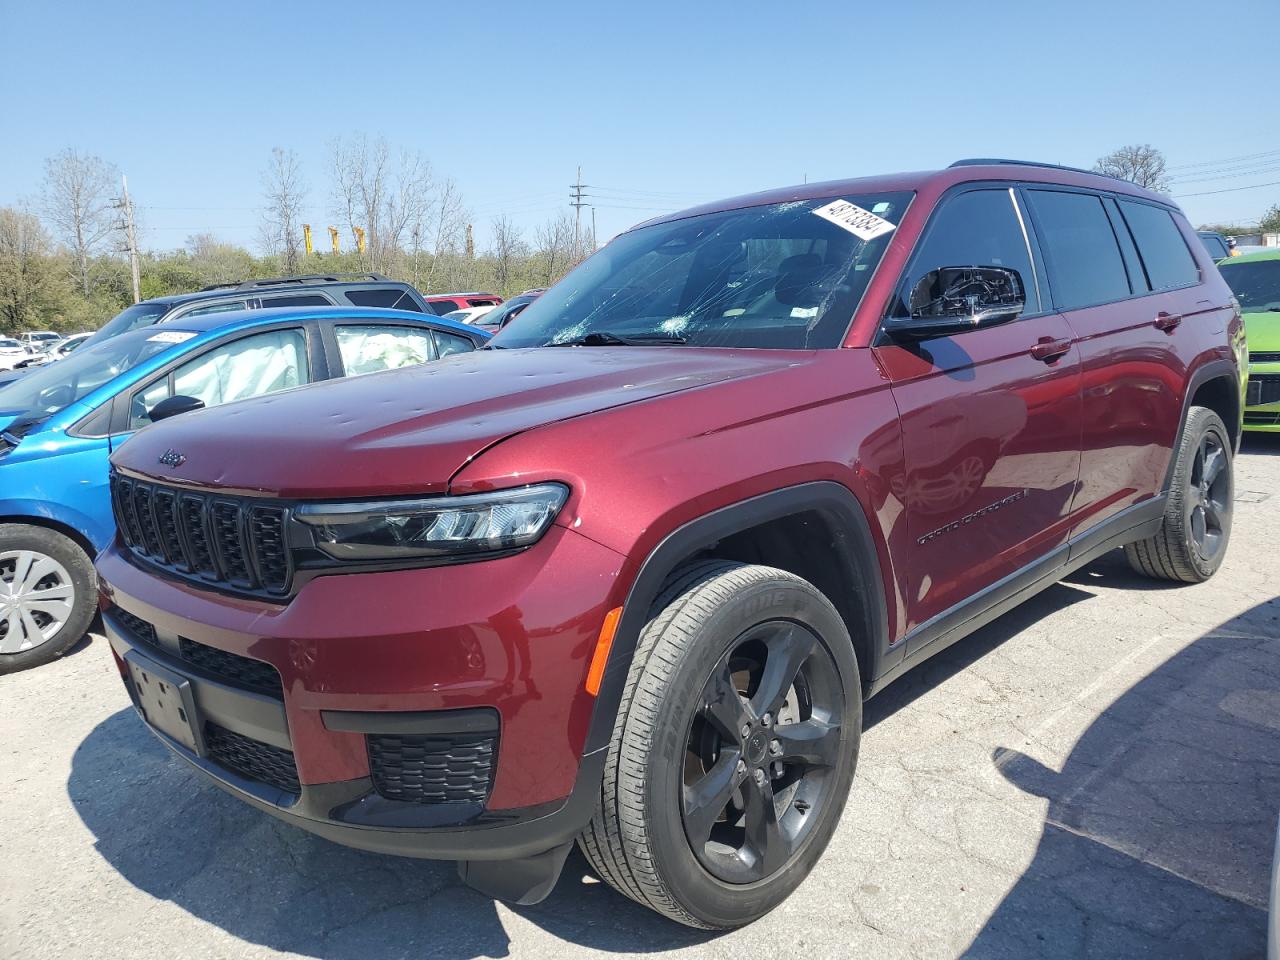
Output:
(1049, 350)
(1167, 321)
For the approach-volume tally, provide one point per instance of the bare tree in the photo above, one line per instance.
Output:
(506, 249)
(445, 225)
(1140, 163)
(25, 279)
(388, 196)
(554, 248)
(79, 192)
(285, 191)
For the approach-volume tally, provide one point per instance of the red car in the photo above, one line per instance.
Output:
(626, 576)
(442, 303)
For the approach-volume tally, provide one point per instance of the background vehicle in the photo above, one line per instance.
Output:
(1219, 247)
(59, 424)
(38, 341)
(739, 471)
(70, 343)
(1255, 280)
(11, 351)
(317, 290)
(496, 319)
(442, 303)
(468, 314)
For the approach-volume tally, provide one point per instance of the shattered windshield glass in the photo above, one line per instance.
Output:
(781, 276)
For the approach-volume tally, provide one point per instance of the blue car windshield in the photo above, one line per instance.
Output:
(51, 388)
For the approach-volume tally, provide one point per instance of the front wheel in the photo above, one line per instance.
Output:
(1193, 536)
(47, 586)
(734, 748)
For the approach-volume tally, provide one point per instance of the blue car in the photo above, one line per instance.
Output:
(59, 424)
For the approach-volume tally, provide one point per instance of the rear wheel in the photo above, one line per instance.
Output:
(734, 747)
(47, 586)
(1193, 536)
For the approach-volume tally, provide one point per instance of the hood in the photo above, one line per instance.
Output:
(408, 432)
(1262, 330)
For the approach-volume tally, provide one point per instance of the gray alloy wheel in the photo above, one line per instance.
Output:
(47, 595)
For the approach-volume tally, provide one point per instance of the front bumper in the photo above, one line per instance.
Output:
(293, 701)
(1262, 398)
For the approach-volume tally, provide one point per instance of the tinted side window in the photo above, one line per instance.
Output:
(448, 343)
(1216, 246)
(1085, 266)
(298, 300)
(386, 298)
(216, 308)
(976, 229)
(1164, 253)
(441, 307)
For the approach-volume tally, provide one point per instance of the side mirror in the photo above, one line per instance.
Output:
(172, 406)
(953, 300)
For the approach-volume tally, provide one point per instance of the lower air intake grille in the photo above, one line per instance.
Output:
(1264, 356)
(432, 769)
(236, 670)
(135, 625)
(252, 759)
(1263, 388)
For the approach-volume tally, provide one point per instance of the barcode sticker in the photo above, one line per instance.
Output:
(863, 224)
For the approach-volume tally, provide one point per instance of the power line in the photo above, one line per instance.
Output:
(1209, 193)
(1224, 160)
(1227, 173)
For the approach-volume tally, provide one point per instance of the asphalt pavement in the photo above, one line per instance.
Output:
(1096, 774)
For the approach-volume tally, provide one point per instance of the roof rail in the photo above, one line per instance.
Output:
(301, 279)
(999, 161)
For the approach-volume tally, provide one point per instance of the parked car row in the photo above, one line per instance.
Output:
(625, 576)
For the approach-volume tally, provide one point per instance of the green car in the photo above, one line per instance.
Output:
(1255, 280)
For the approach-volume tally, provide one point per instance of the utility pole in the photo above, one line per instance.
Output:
(594, 248)
(130, 236)
(577, 203)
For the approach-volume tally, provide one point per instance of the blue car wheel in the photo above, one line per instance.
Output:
(47, 593)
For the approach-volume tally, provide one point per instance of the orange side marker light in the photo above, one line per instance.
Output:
(601, 656)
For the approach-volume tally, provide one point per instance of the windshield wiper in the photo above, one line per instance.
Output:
(603, 338)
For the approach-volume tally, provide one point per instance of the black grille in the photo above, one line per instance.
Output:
(432, 769)
(1262, 419)
(252, 759)
(235, 543)
(236, 670)
(1264, 356)
(135, 625)
(1263, 388)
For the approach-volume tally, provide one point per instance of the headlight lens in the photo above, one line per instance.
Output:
(437, 527)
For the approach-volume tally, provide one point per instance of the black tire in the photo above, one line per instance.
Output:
(20, 538)
(1195, 531)
(639, 840)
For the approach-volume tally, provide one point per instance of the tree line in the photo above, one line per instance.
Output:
(63, 266)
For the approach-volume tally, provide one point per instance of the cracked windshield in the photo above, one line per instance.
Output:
(781, 276)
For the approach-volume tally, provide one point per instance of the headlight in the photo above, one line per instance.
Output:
(440, 527)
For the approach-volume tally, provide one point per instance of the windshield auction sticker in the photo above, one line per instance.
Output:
(171, 336)
(863, 224)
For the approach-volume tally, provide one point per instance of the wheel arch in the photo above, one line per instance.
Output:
(847, 571)
(76, 536)
(1216, 385)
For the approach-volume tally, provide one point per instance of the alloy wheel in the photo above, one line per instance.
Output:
(36, 599)
(760, 750)
(1209, 496)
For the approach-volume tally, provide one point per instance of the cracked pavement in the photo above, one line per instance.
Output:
(1096, 774)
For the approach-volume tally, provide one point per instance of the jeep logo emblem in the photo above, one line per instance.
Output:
(172, 458)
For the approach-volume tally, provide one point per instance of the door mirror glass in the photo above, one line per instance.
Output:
(951, 300)
(172, 406)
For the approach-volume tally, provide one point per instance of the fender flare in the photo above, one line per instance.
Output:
(834, 501)
(1217, 369)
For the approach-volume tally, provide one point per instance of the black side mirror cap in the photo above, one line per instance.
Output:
(172, 406)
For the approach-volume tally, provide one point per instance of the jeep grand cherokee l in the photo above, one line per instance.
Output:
(626, 576)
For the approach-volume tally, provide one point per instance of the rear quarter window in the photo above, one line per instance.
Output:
(1164, 253)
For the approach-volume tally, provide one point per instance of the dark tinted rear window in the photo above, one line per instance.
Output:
(1164, 253)
(1216, 246)
(389, 298)
(441, 307)
(1085, 266)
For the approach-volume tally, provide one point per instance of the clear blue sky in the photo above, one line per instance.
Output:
(663, 104)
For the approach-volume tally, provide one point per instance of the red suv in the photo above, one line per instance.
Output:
(442, 303)
(626, 575)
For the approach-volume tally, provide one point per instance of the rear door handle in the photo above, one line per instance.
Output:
(1049, 350)
(1167, 321)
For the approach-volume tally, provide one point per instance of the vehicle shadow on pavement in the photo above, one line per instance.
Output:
(1161, 824)
(180, 839)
